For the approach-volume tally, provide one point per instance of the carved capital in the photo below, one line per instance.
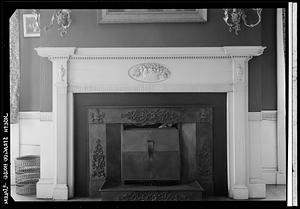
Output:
(55, 52)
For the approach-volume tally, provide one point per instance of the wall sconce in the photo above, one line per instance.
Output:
(62, 16)
(232, 18)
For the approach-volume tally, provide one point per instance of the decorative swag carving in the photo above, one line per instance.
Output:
(149, 72)
(152, 116)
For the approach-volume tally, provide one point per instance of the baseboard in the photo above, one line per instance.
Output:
(60, 192)
(240, 192)
(44, 189)
(257, 190)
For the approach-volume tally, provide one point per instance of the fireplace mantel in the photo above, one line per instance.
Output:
(190, 69)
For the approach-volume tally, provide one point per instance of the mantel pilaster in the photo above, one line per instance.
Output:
(59, 58)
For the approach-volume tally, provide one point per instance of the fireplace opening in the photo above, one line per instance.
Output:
(150, 154)
(192, 142)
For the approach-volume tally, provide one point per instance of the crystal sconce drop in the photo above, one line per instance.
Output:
(62, 16)
(232, 18)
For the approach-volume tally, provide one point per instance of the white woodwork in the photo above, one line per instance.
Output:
(15, 149)
(256, 182)
(197, 69)
(269, 146)
(292, 167)
(281, 106)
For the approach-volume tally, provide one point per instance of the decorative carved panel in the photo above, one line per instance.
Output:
(205, 159)
(97, 157)
(152, 116)
(61, 74)
(240, 73)
(204, 116)
(98, 163)
(153, 196)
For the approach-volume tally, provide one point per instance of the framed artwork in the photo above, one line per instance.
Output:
(30, 26)
(151, 15)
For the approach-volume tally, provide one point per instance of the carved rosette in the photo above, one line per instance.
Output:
(152, 116)
(96, 116)
(153, 196)
(98, 162)
(149, 72)
(204, 115)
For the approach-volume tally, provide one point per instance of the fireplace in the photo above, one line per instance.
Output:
(186, 69)
(165, 147)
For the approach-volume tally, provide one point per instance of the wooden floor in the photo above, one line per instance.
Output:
(274, 192)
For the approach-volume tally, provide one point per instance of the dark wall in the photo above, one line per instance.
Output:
(86, 32)
(269, 75)
(29, 71)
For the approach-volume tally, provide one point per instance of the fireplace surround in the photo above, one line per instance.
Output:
(172, 69)
(149, 148)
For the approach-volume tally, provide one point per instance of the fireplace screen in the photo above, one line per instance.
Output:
(150, 154)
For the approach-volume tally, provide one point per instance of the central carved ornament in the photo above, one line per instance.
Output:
(149, 72)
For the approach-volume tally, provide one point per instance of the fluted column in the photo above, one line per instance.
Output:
(240, 123)
(238, 127)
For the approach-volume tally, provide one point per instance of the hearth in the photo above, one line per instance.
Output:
(162, 149)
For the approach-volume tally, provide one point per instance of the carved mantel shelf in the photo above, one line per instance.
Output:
(186, 69)
(152, 52)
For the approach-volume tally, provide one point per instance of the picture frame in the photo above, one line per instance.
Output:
(151, 15)
(30, 26)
